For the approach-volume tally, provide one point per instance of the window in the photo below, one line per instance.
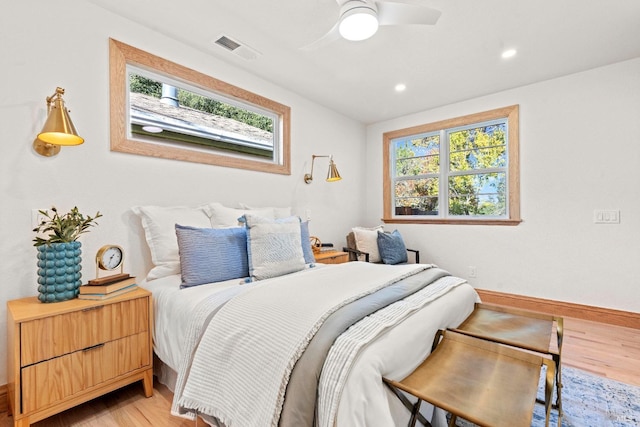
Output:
(165, 111)
(464, 171)
(159, 108)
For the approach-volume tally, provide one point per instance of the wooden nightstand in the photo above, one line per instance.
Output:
(66, 353)
(331, 257)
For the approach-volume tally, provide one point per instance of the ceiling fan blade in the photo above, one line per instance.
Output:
(331, 36)
(393, 13)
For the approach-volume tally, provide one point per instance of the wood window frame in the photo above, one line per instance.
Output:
(512, 115)
(121, 54)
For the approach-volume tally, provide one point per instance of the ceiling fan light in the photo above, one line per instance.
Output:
(358, 23)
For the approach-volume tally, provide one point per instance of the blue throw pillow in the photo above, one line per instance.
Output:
(210, 255)
(305, 237)
(392, 248)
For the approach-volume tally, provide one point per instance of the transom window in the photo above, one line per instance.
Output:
(163, 109)
(463, 170)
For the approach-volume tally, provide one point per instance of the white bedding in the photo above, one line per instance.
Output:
(365, 401)
(173, 312)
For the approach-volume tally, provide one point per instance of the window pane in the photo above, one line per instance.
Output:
(478, 194)
(416, 146)
(160, 111)
(418, 166)
(417, 196)
(418, 206)
(478, 148)
(417, 155)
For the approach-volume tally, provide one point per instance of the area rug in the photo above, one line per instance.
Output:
(589, 401)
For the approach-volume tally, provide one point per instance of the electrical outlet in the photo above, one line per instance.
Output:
(37, 217)
(472, 271)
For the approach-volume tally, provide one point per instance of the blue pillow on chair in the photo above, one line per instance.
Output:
(392, 248)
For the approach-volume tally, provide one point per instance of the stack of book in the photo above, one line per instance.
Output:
(107, 287)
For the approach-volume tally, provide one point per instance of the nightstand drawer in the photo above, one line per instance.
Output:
(43, 339)
(54, 336)
(52, 381)
(332, 257)
(115, 358)
(112, 321)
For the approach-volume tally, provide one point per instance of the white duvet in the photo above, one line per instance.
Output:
(173, 310)
(365, 401)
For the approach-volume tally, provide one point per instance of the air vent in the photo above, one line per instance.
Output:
(226, 42)
(236, 47)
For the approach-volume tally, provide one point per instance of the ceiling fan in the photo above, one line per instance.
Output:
(359, 19)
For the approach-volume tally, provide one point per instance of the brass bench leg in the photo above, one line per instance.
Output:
(558, 361)
(559, 385)
(550, 379)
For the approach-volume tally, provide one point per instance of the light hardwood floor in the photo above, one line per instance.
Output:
(606, 350)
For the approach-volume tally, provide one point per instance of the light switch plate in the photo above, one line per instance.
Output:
(606, 216)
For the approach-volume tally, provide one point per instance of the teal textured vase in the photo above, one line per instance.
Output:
(59, 271)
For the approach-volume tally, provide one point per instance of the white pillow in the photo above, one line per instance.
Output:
(367, 241)
(222, 216)
(274, 246)
(159, 225)
(277, 212)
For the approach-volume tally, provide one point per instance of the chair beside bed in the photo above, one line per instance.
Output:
(376, 245)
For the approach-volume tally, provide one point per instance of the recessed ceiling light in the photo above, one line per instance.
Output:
(509, 53)
(400, 87)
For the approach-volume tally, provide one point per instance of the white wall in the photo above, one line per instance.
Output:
(65, 43)
(580, 151)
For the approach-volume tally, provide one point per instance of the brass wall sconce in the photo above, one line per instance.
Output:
(58, 130)
(332, 175)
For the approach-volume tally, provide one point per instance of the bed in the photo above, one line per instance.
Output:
(307, 347)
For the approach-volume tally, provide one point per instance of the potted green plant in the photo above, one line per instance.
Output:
(59, 261)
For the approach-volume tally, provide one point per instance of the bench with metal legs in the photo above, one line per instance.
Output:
(524, 329)
(484, 382)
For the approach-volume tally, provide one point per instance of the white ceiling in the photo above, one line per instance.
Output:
(456, 59)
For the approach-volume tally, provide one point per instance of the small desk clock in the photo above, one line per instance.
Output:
(109, 258)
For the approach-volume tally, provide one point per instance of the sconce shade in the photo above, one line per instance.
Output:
(58, 130)
(332, 175)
